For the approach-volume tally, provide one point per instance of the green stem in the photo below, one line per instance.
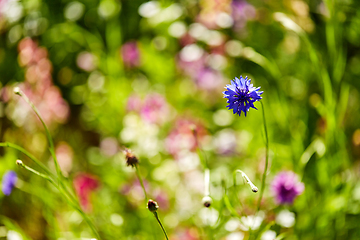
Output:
(61, 187)
(51, 143)
(141, 182)
(67, 196)
(266, 158)
(21, 164)
(163, 229)
(41, 165)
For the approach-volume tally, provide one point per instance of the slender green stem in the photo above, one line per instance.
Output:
(21, 164)
(32, 157)
(207, 182)
(162, 227)
(141, 182)
(67, 196)
(61, 187)
(51, 143)
(266, 158)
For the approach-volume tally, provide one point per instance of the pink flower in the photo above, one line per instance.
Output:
(85, 184)
(182, 137)
(130, 54)
(153, 109)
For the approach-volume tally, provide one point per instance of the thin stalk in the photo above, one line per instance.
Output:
(207, 182)
(51, 143)
(21, 164)
(64, 193)
(40, 164)
(61, 186)
(141, 182)
(158, 220)
(266, 158)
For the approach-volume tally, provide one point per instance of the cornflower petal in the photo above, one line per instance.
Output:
(241, 95)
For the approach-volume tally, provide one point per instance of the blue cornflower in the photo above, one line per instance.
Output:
(241, 95)
(8, 182)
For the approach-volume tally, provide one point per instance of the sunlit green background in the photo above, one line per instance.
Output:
(111, 74)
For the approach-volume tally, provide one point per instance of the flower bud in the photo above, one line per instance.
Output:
(152, 206)
(19, 162)
(17, 90)
(207, 200)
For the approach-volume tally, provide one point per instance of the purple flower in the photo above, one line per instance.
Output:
(241, 95)
(286, 187)
(8, 182)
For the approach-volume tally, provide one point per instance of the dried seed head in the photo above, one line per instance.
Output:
(131, 159)
(207, 200)
(152, 205)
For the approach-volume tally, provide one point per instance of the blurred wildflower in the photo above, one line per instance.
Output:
(8, 182)
(86, 61)
(252, 222)
(64, 154)
(209, 79)
(109, 146)
(285, 218)
(235, 236)
(12, 10)
(241, 13)
(268, 235)
(131, 159)
(182, 138)
(84, 185)
(155, 109)
(162, 198)
(286, 187)
(241, 95)
(39, 88)
(130, 54)
(134, 103)
(186, 234)
(133, 190)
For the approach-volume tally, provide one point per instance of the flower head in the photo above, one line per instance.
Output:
(286, 187)
(8, 182)
(131, 159)
(241, 95)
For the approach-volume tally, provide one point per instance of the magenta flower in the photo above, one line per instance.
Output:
(286, 187)
(130, 54)
(84, 185)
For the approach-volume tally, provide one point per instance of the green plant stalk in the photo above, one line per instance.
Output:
(21, 164)
(51, 143)
(162, 227)
(63, 189)
(17, 147)
(68, 197)
(266, 158)
(141, 182)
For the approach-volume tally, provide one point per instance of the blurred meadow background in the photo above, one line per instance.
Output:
(149, 76)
